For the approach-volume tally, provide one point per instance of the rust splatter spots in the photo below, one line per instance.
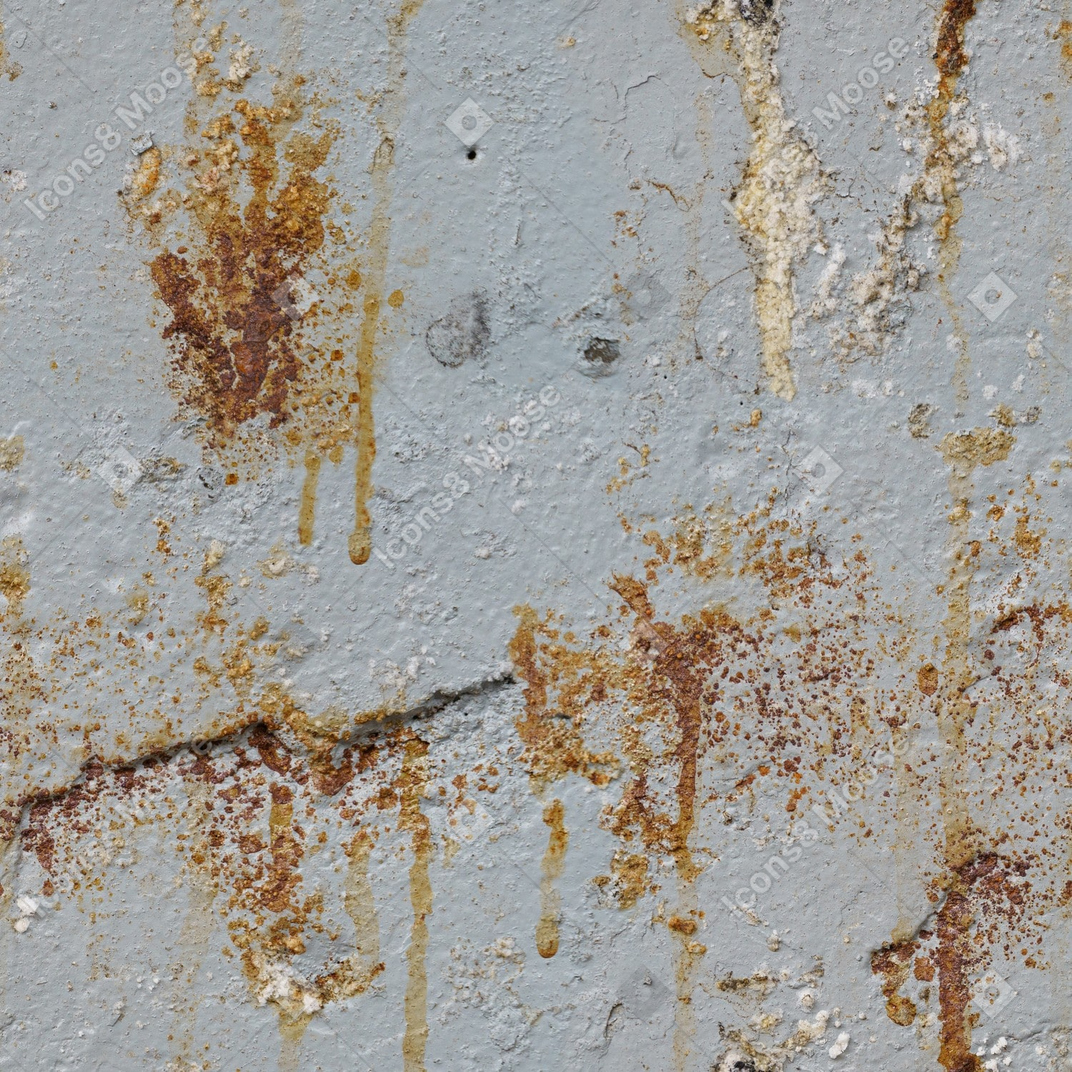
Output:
(554, 862)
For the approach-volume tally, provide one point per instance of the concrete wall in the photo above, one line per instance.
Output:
(535, 536)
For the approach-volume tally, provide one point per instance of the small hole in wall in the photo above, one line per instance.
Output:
(471, 155)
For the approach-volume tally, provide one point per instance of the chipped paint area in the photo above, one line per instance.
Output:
(525, 546)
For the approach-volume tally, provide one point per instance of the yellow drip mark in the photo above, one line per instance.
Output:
(554, 862)
(307, 511)
(198, 925)
(963, 452)
(359, 902)
(291, 1033)
(412, 779)
(379, 240)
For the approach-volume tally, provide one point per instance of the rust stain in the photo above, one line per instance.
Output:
(552, 868)
(12, 451)
(950, 59)
(307, 511)
(1063, 34)
(375, 278)
(14, 574)
(7, 65)
(958, 954)
(974, 899)
(893, 963)
(411, 785)
(247, 233)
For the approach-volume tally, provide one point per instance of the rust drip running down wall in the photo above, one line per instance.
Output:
(259, 286)
(379, 239)
(411, 784)
(552, 868)
(950, 58)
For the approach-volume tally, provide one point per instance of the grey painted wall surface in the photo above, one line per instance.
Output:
(535, 537)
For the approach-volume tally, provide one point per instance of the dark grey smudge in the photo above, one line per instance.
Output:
(463, 334)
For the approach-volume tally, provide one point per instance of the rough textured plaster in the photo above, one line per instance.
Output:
(534, 536)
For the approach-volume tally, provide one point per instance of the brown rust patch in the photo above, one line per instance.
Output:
(928, 679)
(893, 963)
(259, 212)
(949, 56)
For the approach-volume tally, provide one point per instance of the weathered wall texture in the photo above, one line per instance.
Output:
(535, 536)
